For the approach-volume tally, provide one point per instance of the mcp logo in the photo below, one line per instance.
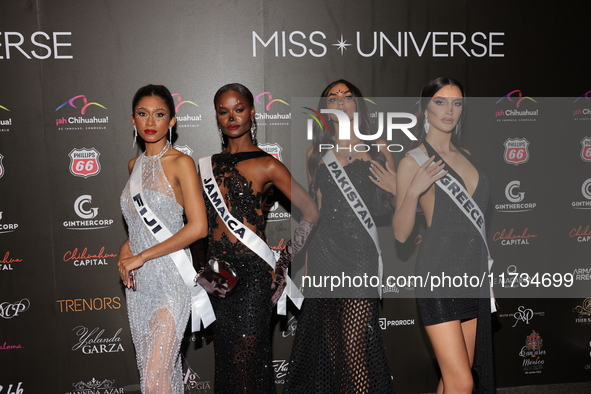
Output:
(84, 105)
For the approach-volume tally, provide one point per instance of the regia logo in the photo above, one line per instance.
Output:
(4, 122)
(345, 129)
(274, 149)
(92, 341)
(193, 382)
(94, 386)
(532, 352)
(268, 117)
(515, 110)
(89, 213)
(377, 44)
(81, 103)
(186, 117)
(584, 310)
(586, 192)
(7, 227)
(84, 162)
(515, 197)
(185, 149)
(516, 151)
(7, 261)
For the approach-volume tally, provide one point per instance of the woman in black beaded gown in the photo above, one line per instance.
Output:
(338, 346)
(457, 320)
(244, 173)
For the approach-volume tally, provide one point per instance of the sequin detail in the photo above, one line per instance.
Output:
(241, 332)
(338, 346)
(159, 310)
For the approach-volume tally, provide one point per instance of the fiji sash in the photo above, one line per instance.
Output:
(248, 237)
(465, 203)
(353, 197)
(200, 304)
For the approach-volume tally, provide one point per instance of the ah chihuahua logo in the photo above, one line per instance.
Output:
(81, 102)
(270, 101)
(515, 96)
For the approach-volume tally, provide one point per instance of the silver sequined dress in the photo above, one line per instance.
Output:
(159, 309)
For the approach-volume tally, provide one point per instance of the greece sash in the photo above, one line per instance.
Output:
(353, 197)
(248, 237)
(465, 203)
(200, 304)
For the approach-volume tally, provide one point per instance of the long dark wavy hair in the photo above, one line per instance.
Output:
(246, 93)
(321, 136)
(427, 94)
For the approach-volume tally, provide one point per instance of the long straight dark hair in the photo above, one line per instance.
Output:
(427, 94)
(321, 136)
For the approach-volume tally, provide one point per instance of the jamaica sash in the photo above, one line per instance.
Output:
(248, 237)
(465, 203)
(200, 304)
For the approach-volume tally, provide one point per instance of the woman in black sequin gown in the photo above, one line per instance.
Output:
(244, 174)
(338, 346)
(457, 320)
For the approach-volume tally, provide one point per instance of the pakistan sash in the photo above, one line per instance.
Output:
(353, 197)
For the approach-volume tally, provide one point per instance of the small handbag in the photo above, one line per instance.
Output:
(225, 271)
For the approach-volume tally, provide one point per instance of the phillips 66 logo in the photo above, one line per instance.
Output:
(586, 150)
(516, 151)
(84, 162)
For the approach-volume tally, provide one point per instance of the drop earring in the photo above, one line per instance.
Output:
(170, 134)
(134, 137)
(253, 130)
(426, 125)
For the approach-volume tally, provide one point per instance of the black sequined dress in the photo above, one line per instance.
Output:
(242, 330)
(338, 346)
(454, 247)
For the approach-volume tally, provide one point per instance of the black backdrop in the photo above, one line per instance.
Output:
(69, 70)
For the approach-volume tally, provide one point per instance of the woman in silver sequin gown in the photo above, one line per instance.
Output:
(159, 308)
(244, 173)
(338, 345)
(457, 320)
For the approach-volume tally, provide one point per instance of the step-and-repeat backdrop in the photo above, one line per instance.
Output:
(69, 70)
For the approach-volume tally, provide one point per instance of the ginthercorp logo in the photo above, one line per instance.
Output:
(277, 213)
(296, 43)
(513, 110)
(345, 129)
(7, 227)
(5, 122)
(82, 104)
(184, 115)
(516, 151)
(515, 197)
(84, 162)
(586, 192)
(84, 209)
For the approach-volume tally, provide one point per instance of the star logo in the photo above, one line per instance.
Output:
(341, 45)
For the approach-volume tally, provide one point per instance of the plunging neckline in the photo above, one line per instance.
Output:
(450, 169)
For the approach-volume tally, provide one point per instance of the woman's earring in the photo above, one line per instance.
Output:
(253, 130)
(135, 136)
(170, 134)
(426, 125)
(220, 131)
